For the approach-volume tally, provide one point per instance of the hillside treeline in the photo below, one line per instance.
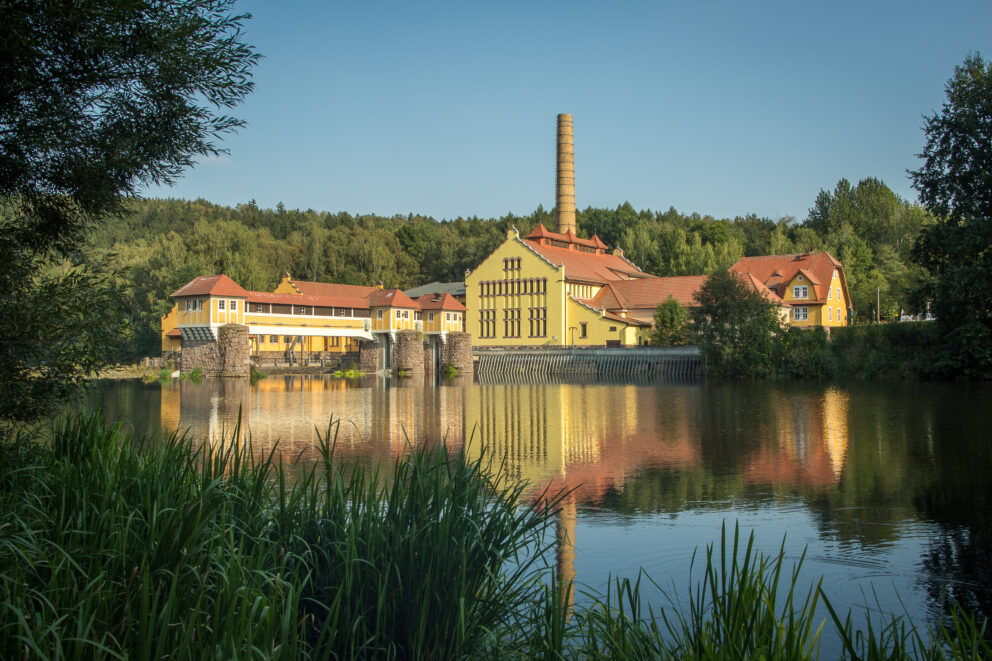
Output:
(164, 243)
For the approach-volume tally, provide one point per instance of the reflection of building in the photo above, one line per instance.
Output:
(290, 412)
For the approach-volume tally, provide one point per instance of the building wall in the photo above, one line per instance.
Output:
(448, 321)
(169, 322)
(394, 319)
(500, 302)
(225, 356)
(831, 313)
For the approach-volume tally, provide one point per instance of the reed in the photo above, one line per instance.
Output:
(121, 547)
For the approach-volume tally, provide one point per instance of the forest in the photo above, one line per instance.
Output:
(158, 245)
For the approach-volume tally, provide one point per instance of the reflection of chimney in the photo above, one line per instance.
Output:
(565, 182)
(566, 549)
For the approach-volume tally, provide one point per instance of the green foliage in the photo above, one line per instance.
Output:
(122, 547)
(955, 184)
(59, 325)
(803, 353)
(671, 324)
(890, 351)
(255, 374)
(735, 327)
(97, 101)
(350, 373)
(195, 375)
(448, 371)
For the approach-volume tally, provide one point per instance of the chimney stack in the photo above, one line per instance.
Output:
(565, 181)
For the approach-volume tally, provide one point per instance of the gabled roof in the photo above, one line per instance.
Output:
(305, 299)
(540, 232)
(391, 298)
(440, 302)
(210, 285)
(333, 289)
(760, 287)
(648, 292)
(596, 267)
(777, 271)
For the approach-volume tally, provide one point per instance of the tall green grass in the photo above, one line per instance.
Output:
(121, 547)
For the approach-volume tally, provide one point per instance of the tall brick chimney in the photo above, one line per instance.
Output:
(565, 181)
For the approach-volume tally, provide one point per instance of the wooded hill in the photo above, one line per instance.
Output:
(164, 243)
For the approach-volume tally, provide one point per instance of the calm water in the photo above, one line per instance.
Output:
(886, 486)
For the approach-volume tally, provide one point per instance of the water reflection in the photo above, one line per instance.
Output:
(884, 482)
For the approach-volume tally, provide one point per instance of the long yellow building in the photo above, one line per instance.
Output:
(305, 317)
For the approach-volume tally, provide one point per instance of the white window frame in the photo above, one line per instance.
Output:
(830, 292)
(838, 294)
(830, 314)
(220, 304)
(378, 315)
(430, 317)
(800, 313)
(406, 314)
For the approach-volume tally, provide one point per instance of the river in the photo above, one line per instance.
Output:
(886, 487)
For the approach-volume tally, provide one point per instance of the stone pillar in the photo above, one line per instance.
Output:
(457, 352)
(368, 356)
(565, 180)
(226, 356)
(408, 354)
(232, 339)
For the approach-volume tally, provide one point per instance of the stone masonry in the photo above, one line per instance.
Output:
(368, 360)
(457, 352)
(225, 356)
(408, 354)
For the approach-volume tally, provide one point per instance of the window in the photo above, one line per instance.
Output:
(613, 329)
(430, 317)
(378, 315)
(538, 322)
(800, 313)
(220, 304)
(800, 292)
(287, 339)
(187, 305)
(511, 322)
(258, 307)
(838, 294)
(582, 329)
(406, 314)
(830, 292)
(302, 309)
(447, 316)
(261, 339)
(487, 323)
(838, 314)
(800, 278)
(830, 314)
(234, 306)
(273, 338)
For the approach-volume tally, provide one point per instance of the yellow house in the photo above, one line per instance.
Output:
(812, 284)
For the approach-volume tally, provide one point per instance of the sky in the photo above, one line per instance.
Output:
(448, 109)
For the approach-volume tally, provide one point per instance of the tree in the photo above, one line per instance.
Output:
(734, 326)
(96, 100)
(955, 184)
(671, 324)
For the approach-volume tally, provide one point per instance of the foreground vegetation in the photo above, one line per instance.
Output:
(121, 547)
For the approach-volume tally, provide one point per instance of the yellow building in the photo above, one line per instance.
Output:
(812, 284)
(300, 317)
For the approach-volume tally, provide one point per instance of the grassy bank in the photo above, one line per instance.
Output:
(121, 547)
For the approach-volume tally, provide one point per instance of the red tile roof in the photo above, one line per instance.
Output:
(442, 302)
(540, 232)
(777, 271)
(393, 298)
(759, 287)
(587, 266)
(175, 332)
(210, 285)
(305, 299)
(333, 289)
(648, 292)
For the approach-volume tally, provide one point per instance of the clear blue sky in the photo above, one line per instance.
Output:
(448, 108)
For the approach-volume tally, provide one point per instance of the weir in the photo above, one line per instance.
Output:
(599, 362)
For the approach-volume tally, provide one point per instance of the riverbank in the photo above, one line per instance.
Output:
(127, 548)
